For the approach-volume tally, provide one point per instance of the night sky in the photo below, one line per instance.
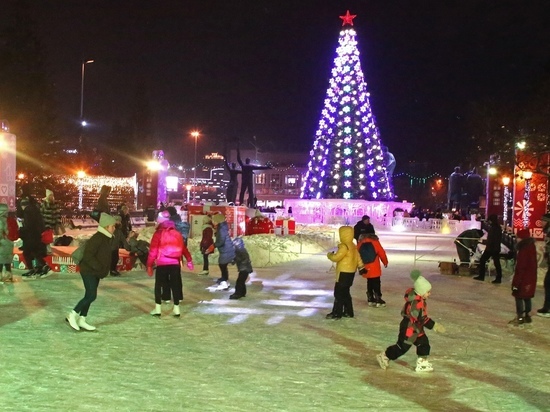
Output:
(261, 68)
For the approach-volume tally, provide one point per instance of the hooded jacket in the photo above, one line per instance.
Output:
(524, 282)
(160, 242)
(224, 244)
(374, 269)
(97, 254)
(347, 256)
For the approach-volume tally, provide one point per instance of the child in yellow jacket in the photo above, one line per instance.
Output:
(347, 262)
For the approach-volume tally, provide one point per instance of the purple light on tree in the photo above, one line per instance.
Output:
(347, 161)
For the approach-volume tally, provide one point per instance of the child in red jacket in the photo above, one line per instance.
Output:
(372, 253)
(411, 328)
(524, 282)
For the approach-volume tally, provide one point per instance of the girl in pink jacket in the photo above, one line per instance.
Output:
(166, 251)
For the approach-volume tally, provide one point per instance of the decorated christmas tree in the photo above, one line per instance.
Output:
(347, 161)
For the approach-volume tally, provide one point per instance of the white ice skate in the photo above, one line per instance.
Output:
(422, 365)
(383, 360)
(223, 285)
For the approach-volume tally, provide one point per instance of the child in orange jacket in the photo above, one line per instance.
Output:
(372, 253)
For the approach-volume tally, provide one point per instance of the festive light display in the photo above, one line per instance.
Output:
(347, 161)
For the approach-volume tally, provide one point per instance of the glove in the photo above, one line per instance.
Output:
(439, 328)
(363, 271)
(149, 270)
(190, 266)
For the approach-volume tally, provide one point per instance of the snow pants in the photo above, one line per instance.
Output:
(422, 343)
(168, 279)
(342, 296)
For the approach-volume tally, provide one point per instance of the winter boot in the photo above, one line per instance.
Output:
(383, 360)
(240, 287)
(72, 318)
(176, 311)
(85, 326)
(203, 273)
(422, 365)
(157, 311)
(527, 318)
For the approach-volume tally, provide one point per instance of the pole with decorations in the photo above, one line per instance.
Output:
(347, 161)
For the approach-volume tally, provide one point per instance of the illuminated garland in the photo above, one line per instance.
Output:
(347, 161)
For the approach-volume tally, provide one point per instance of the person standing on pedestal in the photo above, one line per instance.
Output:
(231, 192)
(454, 194)
(247, 180)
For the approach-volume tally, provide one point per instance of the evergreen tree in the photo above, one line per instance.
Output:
(347, 161)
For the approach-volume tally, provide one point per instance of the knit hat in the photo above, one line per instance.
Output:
(421, 285)
(48, 193)
(106, 220)
(25, 201)
(523, 234)
(163, 216)
(365, 217)
(545, 217)
(217, 219)
(118, 218)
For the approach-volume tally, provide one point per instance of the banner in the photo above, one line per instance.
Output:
(530, 192)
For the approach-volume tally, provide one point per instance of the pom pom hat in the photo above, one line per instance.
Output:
(106, 220)
(421, 285)
(163, 216)
(217, 219)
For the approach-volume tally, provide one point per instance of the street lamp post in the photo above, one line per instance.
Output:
(195, 134)
(84, 63)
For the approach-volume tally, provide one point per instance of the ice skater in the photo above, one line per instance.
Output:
(372, 253)
(207, 244)
(166, 251)
(411, 328)
(95, 265)
(6, 245)
(225, 247)
(347, 262)
(244, 266)
(524, 282)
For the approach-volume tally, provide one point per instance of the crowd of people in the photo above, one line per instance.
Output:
(359, 250)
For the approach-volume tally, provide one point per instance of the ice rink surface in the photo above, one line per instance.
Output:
(273, 350)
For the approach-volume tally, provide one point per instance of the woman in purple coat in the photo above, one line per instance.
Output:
(524, 282)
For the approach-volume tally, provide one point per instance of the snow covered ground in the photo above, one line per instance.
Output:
(273, 350)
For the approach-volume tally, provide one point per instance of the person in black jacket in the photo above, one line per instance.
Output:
(95, 265)
(31, 235)
(362, 227)
(466, 244)
(492, 250)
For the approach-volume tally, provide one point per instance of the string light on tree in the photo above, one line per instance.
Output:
(346, 161)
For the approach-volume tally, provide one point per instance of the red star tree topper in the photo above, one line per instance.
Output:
(348, 18)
